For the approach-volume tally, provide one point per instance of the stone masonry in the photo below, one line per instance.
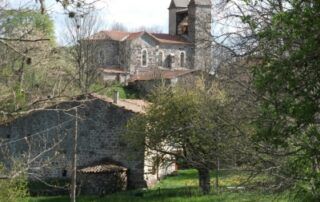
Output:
(100, 129)
(187, 46)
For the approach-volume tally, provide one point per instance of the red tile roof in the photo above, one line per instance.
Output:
(160, 74)
(113, 35)
(122, 36)
(170, 39)
(136, 106)
(134, 35)
(113, 70)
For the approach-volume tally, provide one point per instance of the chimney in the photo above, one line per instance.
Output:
(115, 97)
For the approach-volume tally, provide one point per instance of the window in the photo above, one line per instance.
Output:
(160, 59)
(64, 173)
(144, 59)
(171, 61)
(182, 59)
(101, 57)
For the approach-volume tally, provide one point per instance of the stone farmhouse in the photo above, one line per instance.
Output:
(143, 56)
(44, 139)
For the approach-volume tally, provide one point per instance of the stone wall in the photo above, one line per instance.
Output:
(108, 53)
(200, 20)
(136, 47)
(153, 49)
(124, 55)
(100, 129)
(176, 50)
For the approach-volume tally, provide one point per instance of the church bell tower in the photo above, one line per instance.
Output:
(192, 19)
(200, 25)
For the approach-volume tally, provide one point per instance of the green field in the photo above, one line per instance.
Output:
(183, 188)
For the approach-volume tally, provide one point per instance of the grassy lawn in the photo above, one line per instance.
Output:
(182, 188)
(124, 91)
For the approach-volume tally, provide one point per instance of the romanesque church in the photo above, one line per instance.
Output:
(139, 56)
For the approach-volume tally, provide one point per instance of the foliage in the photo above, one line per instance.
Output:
(288, 81)
(26, 24)
(12, 189)
(83, 50)
(193, 124)
(108, 90)
(31, 68)
(182, 188)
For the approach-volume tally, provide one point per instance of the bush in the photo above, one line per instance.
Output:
(12, 188)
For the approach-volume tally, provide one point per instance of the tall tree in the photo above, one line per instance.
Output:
(288, 79)
(282, 38)
(85, 49)
(190, 124)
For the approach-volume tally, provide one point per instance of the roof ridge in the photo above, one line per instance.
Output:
(125, 103)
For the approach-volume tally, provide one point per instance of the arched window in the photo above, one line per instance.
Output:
(182, 59)
(160, 59)
(144, 58)
(171, 61)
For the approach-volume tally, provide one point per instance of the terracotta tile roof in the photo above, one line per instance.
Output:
(113, 35)
(160, 74)
(113, 70)
(170, 39)
(122, 36)
(102, 168)
(135, 35)
(136, 106)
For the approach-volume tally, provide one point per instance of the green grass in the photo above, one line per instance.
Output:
(183, 188)
(124, 91)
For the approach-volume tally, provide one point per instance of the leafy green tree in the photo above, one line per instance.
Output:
(281, 38)
(192, 125)
(288, 81)
(26, 25)
(31, 67)
(12, 188)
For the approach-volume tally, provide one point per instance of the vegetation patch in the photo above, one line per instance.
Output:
(183, 187)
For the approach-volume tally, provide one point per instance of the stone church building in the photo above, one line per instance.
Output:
(141, 56)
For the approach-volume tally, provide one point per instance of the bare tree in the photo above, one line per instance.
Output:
(151, 29)
(117, 26)
(84, 54)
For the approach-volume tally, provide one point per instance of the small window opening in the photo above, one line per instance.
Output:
(64, 173)
(101, 57)
(144, 58)
(182, 59)
(160, 59)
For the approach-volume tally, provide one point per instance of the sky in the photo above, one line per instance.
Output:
(131, 13)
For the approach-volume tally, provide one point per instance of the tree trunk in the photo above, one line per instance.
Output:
(74, 163)
(204, 180)
(217, 175)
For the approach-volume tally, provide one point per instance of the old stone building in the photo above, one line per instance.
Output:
(129, 57)
(43, 142)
